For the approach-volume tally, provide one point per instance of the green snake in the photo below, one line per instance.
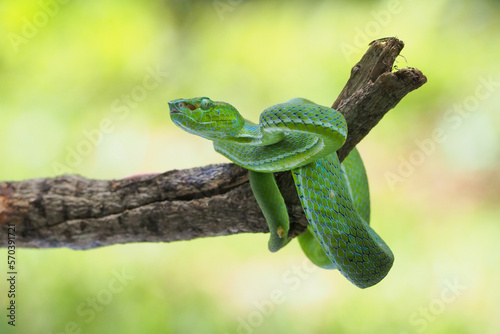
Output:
(302, 137)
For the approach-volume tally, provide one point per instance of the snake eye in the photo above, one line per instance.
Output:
(205, 103)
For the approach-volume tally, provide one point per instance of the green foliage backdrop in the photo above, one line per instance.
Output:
(84, 87)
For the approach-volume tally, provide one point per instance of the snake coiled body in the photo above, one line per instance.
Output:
(302, 137)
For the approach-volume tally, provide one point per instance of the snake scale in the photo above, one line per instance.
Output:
(302, 137)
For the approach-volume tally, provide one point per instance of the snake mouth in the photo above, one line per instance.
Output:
(177, 106)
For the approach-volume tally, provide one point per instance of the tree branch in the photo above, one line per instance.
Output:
(71, 211)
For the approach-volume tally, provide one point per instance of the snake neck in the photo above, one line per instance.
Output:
(289, 135)
(251, 134)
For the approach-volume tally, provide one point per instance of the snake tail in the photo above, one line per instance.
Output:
(272, 205)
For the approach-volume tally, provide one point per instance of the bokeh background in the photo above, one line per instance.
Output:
(84, 89)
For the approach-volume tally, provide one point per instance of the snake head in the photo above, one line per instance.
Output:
(203, 117)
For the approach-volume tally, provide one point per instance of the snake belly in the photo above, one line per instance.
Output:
(302, 137)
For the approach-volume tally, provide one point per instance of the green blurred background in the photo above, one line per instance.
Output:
(84, 89)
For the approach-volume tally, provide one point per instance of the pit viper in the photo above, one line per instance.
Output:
(302, 137)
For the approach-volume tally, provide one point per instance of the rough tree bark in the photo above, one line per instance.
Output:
(75, 212)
